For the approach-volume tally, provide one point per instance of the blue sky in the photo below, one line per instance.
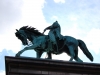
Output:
(78, 18)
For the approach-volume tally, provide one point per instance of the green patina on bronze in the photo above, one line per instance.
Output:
(53, 43)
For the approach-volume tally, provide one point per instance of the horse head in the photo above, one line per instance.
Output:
(20, 34)
(27, 32)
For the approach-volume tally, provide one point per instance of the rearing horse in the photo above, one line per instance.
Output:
(40, 43)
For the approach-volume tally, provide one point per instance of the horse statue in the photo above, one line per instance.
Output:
(40, 44)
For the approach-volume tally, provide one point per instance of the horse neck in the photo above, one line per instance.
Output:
(31, 36)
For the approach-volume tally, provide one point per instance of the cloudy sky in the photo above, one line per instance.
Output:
(78, 18)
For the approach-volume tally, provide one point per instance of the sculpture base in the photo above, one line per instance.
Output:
(34, 66)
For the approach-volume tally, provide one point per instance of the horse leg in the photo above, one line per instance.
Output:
(78, 59)
(49, 55)
(39, 53)
(72, 54)
(76, 56)
(26, 48)
(19, 53)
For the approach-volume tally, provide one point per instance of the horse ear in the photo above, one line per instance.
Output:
(17, 30)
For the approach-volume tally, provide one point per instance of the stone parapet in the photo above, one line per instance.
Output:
(34, 66)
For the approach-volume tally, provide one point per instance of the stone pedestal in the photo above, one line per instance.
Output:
(34, 66)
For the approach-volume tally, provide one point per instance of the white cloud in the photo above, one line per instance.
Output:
(32, 15)
(2, 72)
(73, 31)
(10, 13)
(9, 42)
(59, 1)
(93, 40)
(54, 18)
(73, 18)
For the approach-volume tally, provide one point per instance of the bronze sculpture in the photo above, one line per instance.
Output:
(54, 34)
(40, 44)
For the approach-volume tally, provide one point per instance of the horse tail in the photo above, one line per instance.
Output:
(83, 47)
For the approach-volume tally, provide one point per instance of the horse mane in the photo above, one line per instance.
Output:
(31, 29)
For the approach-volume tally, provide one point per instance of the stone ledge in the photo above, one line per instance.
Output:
(34, 66)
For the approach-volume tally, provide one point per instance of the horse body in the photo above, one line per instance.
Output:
(40, 42)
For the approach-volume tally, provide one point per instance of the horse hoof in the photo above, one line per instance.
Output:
(17, 55)
(47, 58)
